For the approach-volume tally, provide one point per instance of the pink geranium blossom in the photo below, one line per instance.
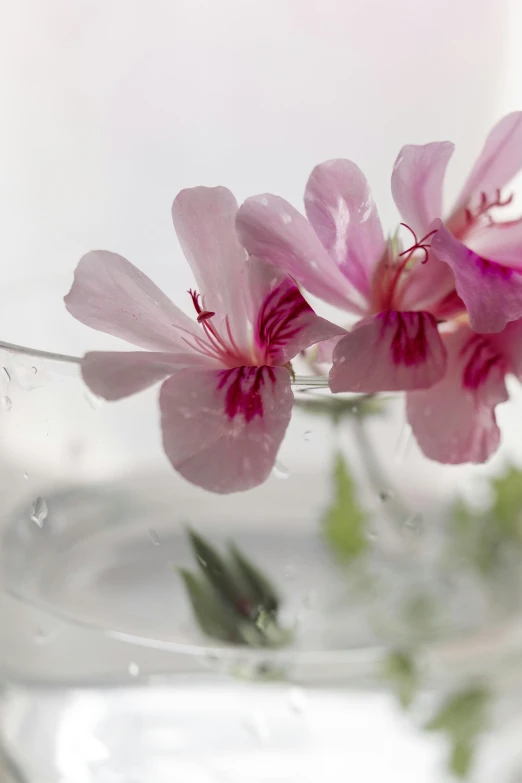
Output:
(339, 253)
(484, 255)
(454, 421)
(227, 400)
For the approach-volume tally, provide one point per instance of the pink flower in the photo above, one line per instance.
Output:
(484, 255)
(340, 255)
(227, 400)
(454, 421)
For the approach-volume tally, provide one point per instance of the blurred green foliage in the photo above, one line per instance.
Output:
(344, 521)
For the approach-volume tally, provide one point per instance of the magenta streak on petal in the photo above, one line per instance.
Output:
(276, 319)
(243, 392)
(409, 345)
(481, 360)
(492, 268)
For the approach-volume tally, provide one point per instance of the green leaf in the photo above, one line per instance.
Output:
(344, 523)
(461, 758)
(401, 670)
(259, 589)
(507, 506)
(213, 619)
(231, 599)
(216, 571)
(462, 717)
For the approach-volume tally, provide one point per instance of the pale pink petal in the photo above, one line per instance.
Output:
(340, 207)
(509, 343)
(417, 178)
(325, 349)
(491, 291)
(454, 421)
(431, 286)
(204, 219)
(272, 230)
(114, 375)
(391, 351)
(284, 322)
(222, 430)
(111, 295)
(499, 161)
(501, 241)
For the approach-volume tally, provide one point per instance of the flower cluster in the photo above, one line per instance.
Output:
(439, 318)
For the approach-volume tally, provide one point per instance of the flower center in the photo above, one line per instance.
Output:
(214, 344)
(393, 270)
(243, 387)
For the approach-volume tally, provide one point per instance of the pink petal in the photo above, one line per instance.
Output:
(454, 421)
(325, 350)
(222, 430)
(111, 295)
(509, 343)
(499, 161)
(114, 375)
(417, 178)
(391, 351)
(284, 323)
(204, 219)
(491, 291)
(272, 230)
(502, 241)
(340, 207)
(431, 287)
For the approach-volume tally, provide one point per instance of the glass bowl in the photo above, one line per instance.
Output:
(362, 597)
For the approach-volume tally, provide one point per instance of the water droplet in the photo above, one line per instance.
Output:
(34, 370)
(7, 404)
(297, 700)
(308, 435)
(413, 524)
(256, 724)
(385, 495)
(280, 471)
(40, 512)
(154, 537)
(134, 669)
(93, 400)
(40, 637)
(7, 374)
(26, 476)
(372, 535)
(290, 571)
(202, 561)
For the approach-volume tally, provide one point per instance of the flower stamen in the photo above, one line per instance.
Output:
(419, 244)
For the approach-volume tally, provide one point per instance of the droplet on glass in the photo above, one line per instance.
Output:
(94, 401)
(34, 370)
(297, 700)
(289, 571)
(257, 726)
(154, 537)
(134, 669)
(40, 512)
(202, 561)
(308, 435)
(385, 495)
(413, 524)
(7, 374)
(372, 535)
(40, 637)
(280, 471)
(7, 404)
